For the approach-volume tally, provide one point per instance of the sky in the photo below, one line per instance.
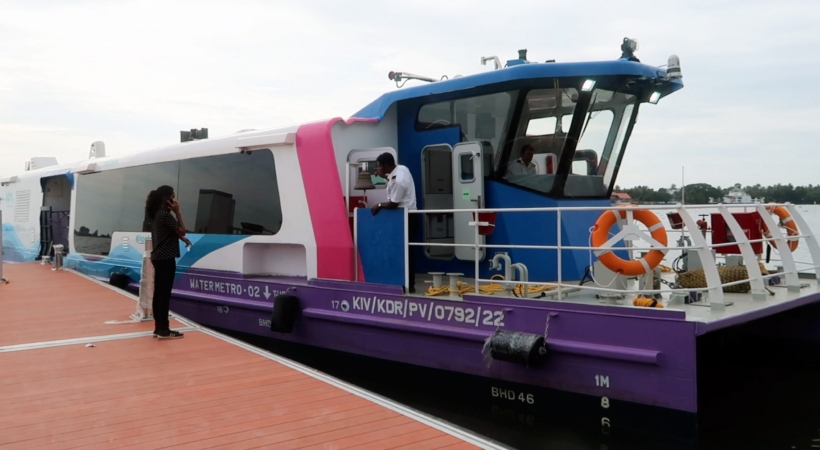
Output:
(135, 73)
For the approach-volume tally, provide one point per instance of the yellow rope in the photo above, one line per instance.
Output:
(487, 289)
(647, 302)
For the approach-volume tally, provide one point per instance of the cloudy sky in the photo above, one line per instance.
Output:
(134, 73)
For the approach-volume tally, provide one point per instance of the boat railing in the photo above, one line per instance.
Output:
(714, 290)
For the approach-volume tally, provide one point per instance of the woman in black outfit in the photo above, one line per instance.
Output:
(166, 231)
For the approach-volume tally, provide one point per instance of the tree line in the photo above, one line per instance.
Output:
(702, 193)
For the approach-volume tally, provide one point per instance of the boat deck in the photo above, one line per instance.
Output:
(71, 380)
(740, 307)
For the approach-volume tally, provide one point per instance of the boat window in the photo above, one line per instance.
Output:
(114, 200)
(482, 118)
(231, 194)
(370, 167)
(466, 168)
(547, 125)
(601, 144)
(224, 194)
(545, 120)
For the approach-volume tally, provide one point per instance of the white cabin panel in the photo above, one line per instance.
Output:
(363, 135)
(294, 245)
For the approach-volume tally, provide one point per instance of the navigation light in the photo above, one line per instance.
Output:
(629, 47)
(673, 68)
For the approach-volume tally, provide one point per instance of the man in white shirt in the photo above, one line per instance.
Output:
(401, 193)
(524, 164)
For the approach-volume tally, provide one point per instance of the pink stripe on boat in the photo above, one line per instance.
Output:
(325, 197)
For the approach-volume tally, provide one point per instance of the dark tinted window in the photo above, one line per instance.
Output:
(482, 118)
(230, 194)
(466, 164)
(114, 200)
(225, 194)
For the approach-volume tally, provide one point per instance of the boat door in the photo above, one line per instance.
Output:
(437, 193)
(55, 212)
(468, 193)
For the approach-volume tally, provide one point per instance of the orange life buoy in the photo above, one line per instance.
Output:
(788, 223)
(600, 234)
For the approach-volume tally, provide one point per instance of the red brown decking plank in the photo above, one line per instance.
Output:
(160, 424)
(274, 437)
(136, 425)
(399, 440)
(221, 424)
(138, 392)
(459, 446)
(124, 390)
(356, 434)
(440, 441)
(98, 382)
(369, 437)
(234, 435)
(46, 305)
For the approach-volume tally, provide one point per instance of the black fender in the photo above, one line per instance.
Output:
(285, 309)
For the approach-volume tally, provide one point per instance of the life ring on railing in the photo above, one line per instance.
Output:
(787, 221)
(600, 235)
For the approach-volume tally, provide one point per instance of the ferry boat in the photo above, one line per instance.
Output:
(526, 283)
(737, 195)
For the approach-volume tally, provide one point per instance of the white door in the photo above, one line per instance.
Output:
(468, 193)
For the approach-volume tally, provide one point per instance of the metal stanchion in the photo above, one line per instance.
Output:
(58, 257)
(2, 280)
(145, 310)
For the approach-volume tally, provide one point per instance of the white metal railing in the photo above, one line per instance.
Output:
(714, 288)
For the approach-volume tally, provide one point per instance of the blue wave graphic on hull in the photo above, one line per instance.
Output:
(127, 261)
(13, 248)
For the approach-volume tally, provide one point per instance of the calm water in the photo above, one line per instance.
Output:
(763, 395)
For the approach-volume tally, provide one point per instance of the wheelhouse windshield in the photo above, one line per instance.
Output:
(535, 150)
(601, 144)
(537, 145)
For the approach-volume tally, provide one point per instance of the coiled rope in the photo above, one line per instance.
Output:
(487, 289)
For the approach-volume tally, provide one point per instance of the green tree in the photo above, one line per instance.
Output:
(700, 193)
(664, 196)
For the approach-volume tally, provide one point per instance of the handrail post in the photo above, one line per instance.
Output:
(621, 223)
(811, 240)
(356, 244)
(476, 219)
(789, 267)
(406, 251)
(558, 257)
(716, 301)
(752, 267)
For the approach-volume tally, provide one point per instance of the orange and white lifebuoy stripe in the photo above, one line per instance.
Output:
(788, 223)
(600, 235)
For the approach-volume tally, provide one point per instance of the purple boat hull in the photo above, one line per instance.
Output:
(645, 356)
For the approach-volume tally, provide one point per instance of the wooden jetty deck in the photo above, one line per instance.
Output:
(207, 390)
